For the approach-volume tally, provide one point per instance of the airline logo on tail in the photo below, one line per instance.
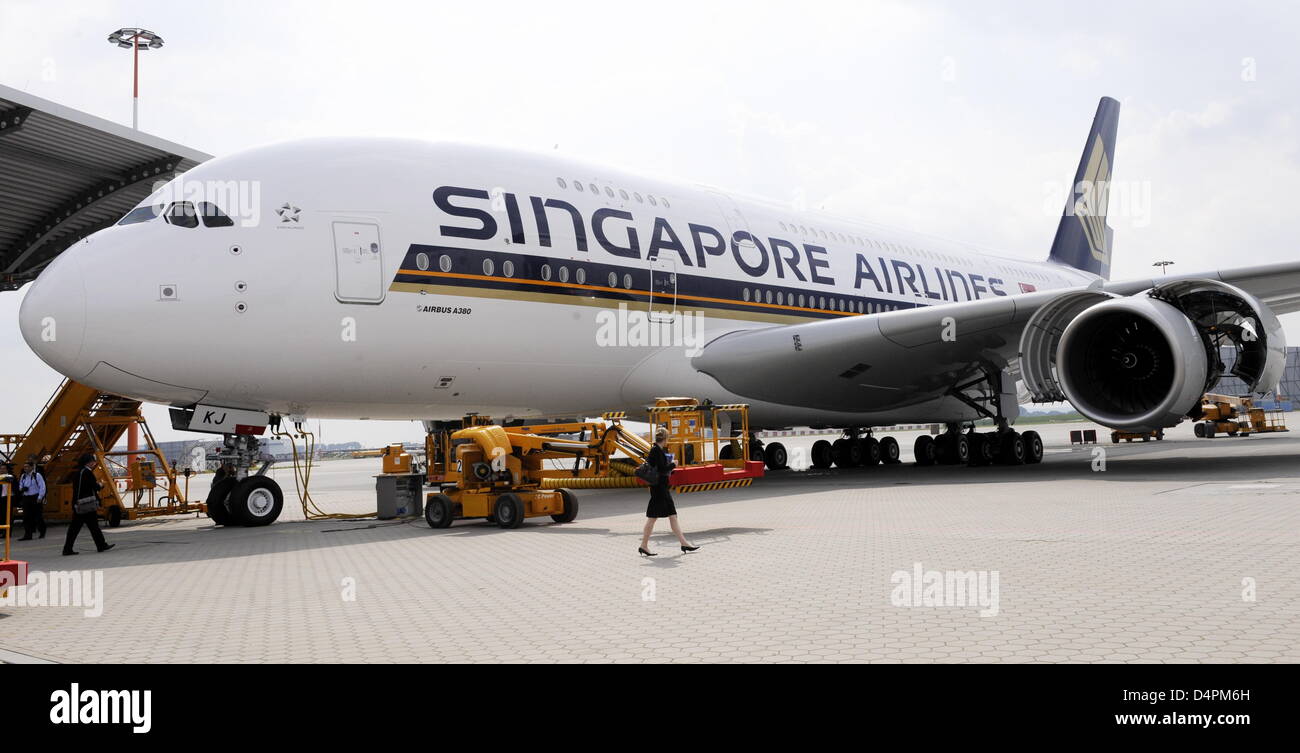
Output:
(1092, 198)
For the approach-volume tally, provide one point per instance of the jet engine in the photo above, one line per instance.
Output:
(1142, 362)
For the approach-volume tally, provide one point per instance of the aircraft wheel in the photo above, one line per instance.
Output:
(438, 511)
(1012, 451)
(870, 450)
(848, 453)
(256, 501)
(821, 454)
(960, 450)
(889, 452)
(216, 501)
(508, 511)
(570, 507)
(775, 456)
(1033, 447)
(924, 450)
(981, 450)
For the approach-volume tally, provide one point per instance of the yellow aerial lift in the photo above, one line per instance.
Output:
(708, 457)
(485, 471)
(79, 419)
(1236, 416)
(499, 473)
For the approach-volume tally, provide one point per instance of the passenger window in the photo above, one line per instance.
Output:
(141, 214)
(213, 216)
(182, 214)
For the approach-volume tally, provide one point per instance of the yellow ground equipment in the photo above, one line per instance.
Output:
(396, 459)
(1236, 416)
(78, 419)
(486, 471)
(475, 463)
(709, 442)
(1129, 436)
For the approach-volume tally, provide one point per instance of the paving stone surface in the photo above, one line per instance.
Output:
(1149, 560)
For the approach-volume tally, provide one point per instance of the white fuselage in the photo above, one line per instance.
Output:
(392, 279)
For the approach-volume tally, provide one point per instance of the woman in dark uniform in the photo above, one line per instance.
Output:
(661, 500)
(85, 487)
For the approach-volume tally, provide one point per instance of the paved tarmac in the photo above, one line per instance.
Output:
(1184, 550)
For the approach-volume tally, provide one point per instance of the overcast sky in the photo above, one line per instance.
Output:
(963, 120)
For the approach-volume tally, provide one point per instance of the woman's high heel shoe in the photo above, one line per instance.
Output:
(645, 553)
(689, 548)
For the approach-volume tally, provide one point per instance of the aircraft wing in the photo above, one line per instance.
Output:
(866, 363)
(893, 359)
(1276, 285)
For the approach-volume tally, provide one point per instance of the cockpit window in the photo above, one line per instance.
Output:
(141, 214)
(182, 214)
(213, 216)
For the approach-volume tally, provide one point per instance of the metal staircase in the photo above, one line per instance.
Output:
(78, 419)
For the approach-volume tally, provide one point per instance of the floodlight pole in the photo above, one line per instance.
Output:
(135, 82)
(135, 39)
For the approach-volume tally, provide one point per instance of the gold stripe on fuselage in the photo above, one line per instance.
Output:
(684, 302)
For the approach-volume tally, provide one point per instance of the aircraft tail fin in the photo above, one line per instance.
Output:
(1083, 239)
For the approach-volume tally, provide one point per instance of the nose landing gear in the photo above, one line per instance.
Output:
(238, 495)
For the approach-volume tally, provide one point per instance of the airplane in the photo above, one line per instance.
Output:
(372, 278)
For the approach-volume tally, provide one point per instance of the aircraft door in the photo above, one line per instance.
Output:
(663, 289)
(358, 262)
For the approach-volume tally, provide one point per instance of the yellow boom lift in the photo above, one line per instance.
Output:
(501, 473)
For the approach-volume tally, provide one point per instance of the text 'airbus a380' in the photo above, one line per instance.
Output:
(396, 279)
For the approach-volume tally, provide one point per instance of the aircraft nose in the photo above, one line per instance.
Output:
(53, 315)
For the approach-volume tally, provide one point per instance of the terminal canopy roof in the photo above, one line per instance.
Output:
(65, 174)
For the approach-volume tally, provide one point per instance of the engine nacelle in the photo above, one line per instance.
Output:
(1134, 363)
(1143, 362)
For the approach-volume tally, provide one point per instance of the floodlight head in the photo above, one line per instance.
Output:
(141, 39)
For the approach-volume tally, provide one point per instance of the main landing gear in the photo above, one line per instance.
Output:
(239, 497)
(1002, 446)
(1005, 446)
(858, 447)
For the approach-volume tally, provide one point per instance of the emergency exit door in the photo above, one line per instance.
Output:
(358, 262)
